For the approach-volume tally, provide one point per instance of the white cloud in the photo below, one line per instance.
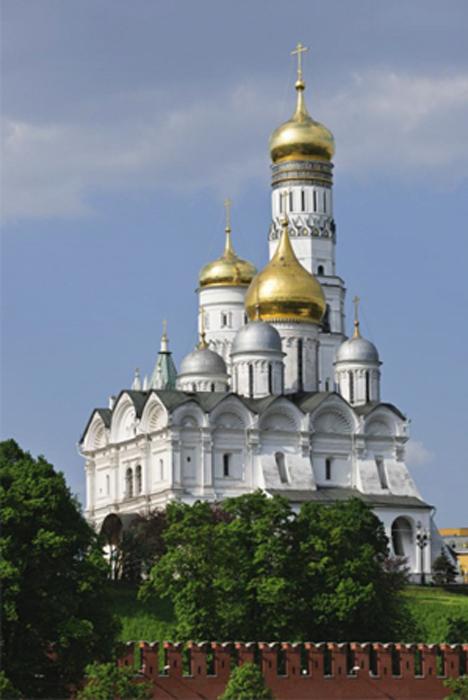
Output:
(417, 455)
(413, 126)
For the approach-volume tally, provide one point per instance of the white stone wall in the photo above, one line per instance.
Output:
(224, 315)
(257, 374)
(362, 393)
(291, 336)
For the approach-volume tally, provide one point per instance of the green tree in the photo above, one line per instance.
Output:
(246, 683)
(459, 688)
(346, 590)
(55, 612)
(7, 691)
(107, 681)
(444, 572)
(457, 630)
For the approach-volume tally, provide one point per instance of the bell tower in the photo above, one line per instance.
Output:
(301, 151)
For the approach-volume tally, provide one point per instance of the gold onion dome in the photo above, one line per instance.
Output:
(301, 137)
(229, 270)
(284, 290)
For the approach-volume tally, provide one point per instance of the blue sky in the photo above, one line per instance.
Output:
(125, 127)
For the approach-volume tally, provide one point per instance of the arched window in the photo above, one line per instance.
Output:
(138, 480)
(351, 387)
(270, 378)
(129, 483)
(300, 364)
(226, 463)
(281, 464)
(320, 270)
(402, 538)
(328, 469)
(367, 386)
(251, 381)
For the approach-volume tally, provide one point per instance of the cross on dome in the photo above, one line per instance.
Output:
(356, 302)
(227, 206)
(298, 51)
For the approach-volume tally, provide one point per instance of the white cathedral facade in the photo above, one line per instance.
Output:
(275, 396)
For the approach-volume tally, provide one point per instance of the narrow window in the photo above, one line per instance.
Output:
(280, 463)
(367, 386)
(226, 463)
(324, 201)
(280, 202)
(270, 378)
(302, 200)
(320, 270)
(328, 469)
(212, 387)
(351, 387)
(224, 320)
(300, 365)
(138, 479)
(194, 387)
(161, 469)
(251, 381)
(290, 201)
(107, 484)
(315, 200)
(327, 385)
(129, 483)
(326, 320)
(246, 320)
(381, 472)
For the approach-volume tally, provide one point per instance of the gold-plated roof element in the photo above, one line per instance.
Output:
(229, 270)
(357, 332)
(301, 137)
(284, 290)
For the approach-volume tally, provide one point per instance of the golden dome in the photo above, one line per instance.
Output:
(284, 290)
(229, 270)
(301, 138)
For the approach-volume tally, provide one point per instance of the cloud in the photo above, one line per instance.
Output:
(406, 125)
(417, 455)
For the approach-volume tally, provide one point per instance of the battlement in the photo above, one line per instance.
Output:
(299, 670)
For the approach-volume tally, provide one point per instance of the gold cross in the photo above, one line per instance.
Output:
(298, 51)
(227, 206)
(356, 301)
(164, 327)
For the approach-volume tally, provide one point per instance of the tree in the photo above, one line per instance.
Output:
(246, 683)
(459, 686)
(55, 612)
(107, 681)
(253, 569)
(457, 630)
(444, 571)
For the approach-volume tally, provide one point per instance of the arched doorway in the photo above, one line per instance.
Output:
(403, 539)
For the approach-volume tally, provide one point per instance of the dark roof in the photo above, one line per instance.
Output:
(331, 495)
(106, 415)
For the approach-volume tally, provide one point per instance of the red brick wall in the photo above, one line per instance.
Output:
(300, 671)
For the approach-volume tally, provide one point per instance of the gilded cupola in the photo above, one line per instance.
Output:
(284, 290)
(301, 137)
(229, 270)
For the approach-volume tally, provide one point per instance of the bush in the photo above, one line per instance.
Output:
(457, 630)
(443, 571)
(108, 681)
(459, 686)
(246, 683)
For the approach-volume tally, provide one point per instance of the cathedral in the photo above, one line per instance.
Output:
(274, 396)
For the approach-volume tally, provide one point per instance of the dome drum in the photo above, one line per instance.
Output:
(302, 172)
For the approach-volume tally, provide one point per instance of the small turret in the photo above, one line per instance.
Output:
(136, 384)
(165, 373)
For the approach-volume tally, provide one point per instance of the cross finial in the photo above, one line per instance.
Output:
(164, 339)
(298, 51)
(356, 301)
(227, 206)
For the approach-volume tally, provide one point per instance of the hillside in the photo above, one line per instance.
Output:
(155, 621)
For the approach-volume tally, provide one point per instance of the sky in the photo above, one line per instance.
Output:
(124, 127)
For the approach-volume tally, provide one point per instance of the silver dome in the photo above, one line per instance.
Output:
(357, 350)
(256, 336)
(203, 361)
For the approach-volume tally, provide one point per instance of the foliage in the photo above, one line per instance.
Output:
(459, 688)
(55, 611)
(151, 619)
(246, 683)
(7, 691)
(107, 681)
(254, 569)
(444, 571)
(457, 630)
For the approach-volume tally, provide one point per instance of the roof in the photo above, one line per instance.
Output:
(331, 495)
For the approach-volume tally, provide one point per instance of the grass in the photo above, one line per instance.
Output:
(432, 607)
(154, 621)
